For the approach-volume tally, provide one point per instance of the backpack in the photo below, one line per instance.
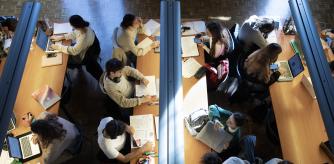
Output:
(196, 121)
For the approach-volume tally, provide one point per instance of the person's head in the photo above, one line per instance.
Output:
(114, 69)
(113, 129)
(273, 50)
(10, 24)
(285, 162)
(47, 131)
(266, 25)
(214, 30)
(77, 22)
(211, 158)
(236, 120)
(130, 20)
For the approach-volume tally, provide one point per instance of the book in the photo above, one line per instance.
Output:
(156, 121)
(46, 97)
(52, 59)
(307, 82)
(62, 28)
(152, 27)
(149, 90)
(145, 45)
(196, 27)
(189, 47)
(190, 67)
(144, 130)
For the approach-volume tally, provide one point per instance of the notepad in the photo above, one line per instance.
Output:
(62, 28)
(196, 27)
(145, 45)
(152, 27)
(144, 130)
(149, 90)
(189, 47)
(52, 59)
(190, 67)
(46, 97)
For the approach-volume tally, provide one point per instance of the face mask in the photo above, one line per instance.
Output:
(116, 79)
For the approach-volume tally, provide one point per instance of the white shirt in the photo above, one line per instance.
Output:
(110, 147)
(274, 161)
(125, 87)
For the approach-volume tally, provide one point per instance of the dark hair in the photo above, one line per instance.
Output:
(48, 130)
(285, 162)
(211, 158)
(78, 22)
(11, 23)
(273, 50)
(239, 118)
(266, 25)
(113, 65)
(331, 65)
(216, 31)
(115, 128)
(127, 20)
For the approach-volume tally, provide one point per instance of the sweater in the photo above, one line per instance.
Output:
(126, 39)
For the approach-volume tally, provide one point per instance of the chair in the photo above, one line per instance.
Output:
(271, 128)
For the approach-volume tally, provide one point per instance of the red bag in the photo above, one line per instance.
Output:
(214, 76)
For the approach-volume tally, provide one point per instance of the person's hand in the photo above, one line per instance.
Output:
(200, 44)
(131, 130)
(140, 20)
(148, 146)
(226, 145)
(56, 38)
(34, 139)
(155, 44)
(331, 35)
(146, 99)
(145, 81)
(55, 47)
(217, 125)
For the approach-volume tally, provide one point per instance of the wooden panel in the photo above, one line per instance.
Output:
(298, 118)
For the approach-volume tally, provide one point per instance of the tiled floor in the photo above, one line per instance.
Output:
(87, 104)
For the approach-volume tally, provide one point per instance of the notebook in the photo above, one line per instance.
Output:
(196, 27)
(149, 90)
(44, 42)
(145, 45)
(46, 97)
(144, 130)
(152, 27)
(189, 47)
(22, 147)
(213, 138)
(62, 28)
(291, 68)
(190, 67)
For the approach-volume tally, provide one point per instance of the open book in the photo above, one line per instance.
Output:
(152, 27)
(144, 130)
(46, 97)
(190, 67)
(145, 45)
(149, 90)
(189, 47)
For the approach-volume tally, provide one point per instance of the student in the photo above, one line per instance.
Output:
(86, 48)
(257, 65)
(115, 83)
(55, 135)
(114, 139)
(7, 30)
(211, 158)
(231, 123)
(217, 42)
(255, 30)
(126, 36)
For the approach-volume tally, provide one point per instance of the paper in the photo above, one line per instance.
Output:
(156, 121)
(45, 96)
(284, 69)
(272, 38)
(190, 67)
(307, 82)
(152, 27)
(196, 27)
(7, 44)
(52, 59)
(145, 45)
(149, 90)
(4, 157)
(144, 129)
(189, 47)
(62, 28)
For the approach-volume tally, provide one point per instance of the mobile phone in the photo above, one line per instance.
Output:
(50, 55)
(197, 40)
(274, 66)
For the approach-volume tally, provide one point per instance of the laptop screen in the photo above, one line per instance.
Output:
(296, 65)
(14, 147)
(41, 39)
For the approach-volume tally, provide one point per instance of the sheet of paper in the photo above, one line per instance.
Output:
(144, 128)
(145, 45)
(7, 44)
(272, 38)
(4, 157)
(151, 27)
(57, 59)
(156, 121)
(190, 67)
(149, 90)
(195, 27)
(62, 28)
(189, 47)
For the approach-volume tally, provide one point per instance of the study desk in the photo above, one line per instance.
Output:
(33, 78)
(195, 97)
(298, 118)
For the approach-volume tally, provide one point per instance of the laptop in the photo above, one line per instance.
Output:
(22, 147)
(43, 41)
(291, 68)
(213, 138)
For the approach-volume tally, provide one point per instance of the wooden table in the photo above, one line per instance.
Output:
(33, 78)
(298, 118)
(195, 97)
